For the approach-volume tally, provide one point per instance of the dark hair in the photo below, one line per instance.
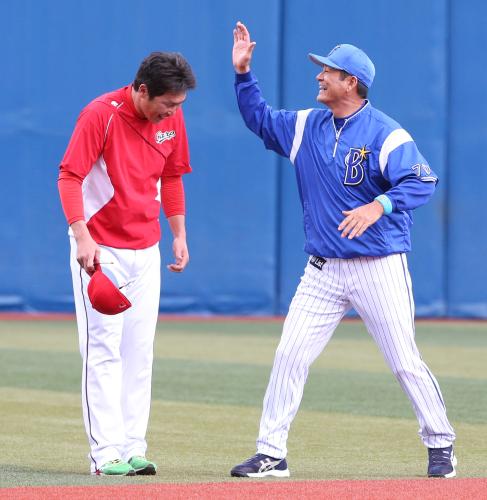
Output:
(362, 90)
(165, 72)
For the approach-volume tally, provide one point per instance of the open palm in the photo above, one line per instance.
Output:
(242, 48)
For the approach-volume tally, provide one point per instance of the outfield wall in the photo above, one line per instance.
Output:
(244, 220)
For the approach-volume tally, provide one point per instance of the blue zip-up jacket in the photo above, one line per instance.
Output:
(343, 169)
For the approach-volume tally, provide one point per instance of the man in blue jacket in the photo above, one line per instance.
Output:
(359, 176)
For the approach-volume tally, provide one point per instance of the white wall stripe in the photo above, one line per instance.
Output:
(395, 139)
(302, 116)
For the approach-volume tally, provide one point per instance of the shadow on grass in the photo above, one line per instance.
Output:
(12, 476)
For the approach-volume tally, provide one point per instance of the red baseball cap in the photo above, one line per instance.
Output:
(104, 296)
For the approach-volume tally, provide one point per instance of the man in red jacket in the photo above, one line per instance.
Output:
(126, 157)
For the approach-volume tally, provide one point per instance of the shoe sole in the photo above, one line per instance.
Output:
(150, 470)
(274, 473)
(99, 473)
(451, 474)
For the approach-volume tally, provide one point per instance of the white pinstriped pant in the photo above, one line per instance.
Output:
(379, 288)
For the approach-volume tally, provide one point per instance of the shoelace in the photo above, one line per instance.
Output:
(438, 456)
(117, 461)
(255, 458)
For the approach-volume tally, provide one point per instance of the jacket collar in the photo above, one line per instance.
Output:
(357, 113)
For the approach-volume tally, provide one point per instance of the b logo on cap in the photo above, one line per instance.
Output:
(333, 50)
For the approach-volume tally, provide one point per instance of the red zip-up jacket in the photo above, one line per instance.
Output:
(117, 165)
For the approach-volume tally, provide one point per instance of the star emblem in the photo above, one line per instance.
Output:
(364, 152)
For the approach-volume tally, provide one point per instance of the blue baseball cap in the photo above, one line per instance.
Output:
(350, 59)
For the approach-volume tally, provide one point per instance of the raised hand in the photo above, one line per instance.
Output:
(242, 48)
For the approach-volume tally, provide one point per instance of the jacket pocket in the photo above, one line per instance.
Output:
(306, 220)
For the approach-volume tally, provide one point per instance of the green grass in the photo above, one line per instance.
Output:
(208, 385)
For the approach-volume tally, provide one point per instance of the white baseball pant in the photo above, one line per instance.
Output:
(117, 353)
(379, 288)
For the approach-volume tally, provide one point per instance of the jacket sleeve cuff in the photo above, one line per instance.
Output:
(386, 203)
(243, 77)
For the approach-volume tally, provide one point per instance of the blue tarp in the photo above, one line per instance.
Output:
(244, 220)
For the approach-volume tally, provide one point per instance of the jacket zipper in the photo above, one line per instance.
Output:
(337, 135)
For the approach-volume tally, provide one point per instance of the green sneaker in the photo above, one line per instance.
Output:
(115, 468)
(142, 466)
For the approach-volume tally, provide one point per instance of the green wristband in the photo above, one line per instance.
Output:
(385, 202)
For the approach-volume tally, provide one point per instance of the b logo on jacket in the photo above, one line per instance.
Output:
(355, 165)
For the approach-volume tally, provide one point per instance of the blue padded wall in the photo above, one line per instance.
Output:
(467, 138)
(410, 85)
(244, 220)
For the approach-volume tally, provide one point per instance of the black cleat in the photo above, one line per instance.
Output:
(442, 462)
(261, 466)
